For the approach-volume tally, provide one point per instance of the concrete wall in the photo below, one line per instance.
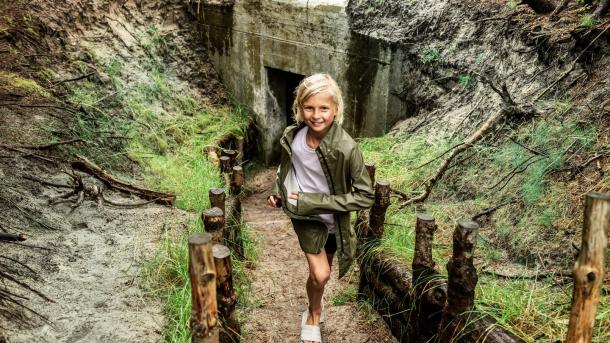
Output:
(300, 37)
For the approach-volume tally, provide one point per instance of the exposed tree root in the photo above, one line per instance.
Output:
(88, 167)
(84, 191)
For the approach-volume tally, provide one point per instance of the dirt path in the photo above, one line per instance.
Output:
(279, 282)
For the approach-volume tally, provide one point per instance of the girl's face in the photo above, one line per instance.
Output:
(319, 113)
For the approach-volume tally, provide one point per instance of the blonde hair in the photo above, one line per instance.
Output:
(314, 84)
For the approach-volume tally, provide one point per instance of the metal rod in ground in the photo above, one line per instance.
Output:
(202, 273)
(225, 294)
(217, 198)
(214, 222)
(589, 269)
(382, 201)
(462, 280)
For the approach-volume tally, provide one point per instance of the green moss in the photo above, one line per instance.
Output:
(14, 81)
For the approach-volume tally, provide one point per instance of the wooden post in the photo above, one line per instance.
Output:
(202, 272)
(462, 279)
(232, 155)
(423, 271)
(217, 198)
(382, 201)
(225, 294)
(589, 269)
(225, 168)
(237, 180)
(241, 147)
(370, 168)
(214, 222)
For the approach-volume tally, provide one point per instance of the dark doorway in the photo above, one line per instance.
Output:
(282, 85)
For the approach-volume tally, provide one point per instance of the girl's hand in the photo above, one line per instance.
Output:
(294, 195)
(274, 200)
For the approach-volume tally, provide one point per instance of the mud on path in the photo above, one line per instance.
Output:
(278, 282)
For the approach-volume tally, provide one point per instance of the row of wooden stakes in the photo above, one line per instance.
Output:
(213, 295)
(443, 311)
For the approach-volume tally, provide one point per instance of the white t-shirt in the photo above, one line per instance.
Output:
(309, 174)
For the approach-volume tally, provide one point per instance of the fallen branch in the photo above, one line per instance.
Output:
(491, 210)
(88, 167)
(11, 237)
(509, 110)
(55, 83)
(46, 183)
(43, 146)
(559, 9)
(537, 276)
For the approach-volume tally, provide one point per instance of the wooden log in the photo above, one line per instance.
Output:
(12, 237)
(462, 279)
(214, 222)
(589, 269)
(237, 180)
(217, 198)
(382, 201)
(202, 273)
(225, 294)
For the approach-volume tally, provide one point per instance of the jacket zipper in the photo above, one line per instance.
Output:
(332, 184)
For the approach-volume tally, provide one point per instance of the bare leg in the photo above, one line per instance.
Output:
(319, 273)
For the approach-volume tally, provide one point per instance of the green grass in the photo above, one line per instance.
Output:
(524, 232)
(165, 129)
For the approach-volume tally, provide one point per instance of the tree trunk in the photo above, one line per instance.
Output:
(225, 294)
(202, 272)
(589, 269)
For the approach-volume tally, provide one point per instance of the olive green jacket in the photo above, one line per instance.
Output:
(348, 182)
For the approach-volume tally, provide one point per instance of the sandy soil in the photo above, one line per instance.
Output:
(90, 260)
(279, 282)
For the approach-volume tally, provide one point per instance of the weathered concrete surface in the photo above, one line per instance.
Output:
(252, 40)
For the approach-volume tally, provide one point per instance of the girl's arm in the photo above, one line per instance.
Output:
(361, 197)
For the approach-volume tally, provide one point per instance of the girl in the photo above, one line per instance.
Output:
(321, 178)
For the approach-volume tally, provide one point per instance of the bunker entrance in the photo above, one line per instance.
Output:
(280, 96)
(282, 85)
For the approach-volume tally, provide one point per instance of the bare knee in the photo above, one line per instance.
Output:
(320, 276)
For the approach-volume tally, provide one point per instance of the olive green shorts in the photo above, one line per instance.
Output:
(312, 235)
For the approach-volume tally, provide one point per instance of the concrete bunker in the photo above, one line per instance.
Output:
(269, 45)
